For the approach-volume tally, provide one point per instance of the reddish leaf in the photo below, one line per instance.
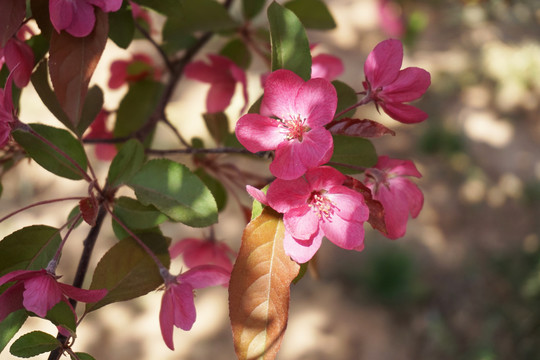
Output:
(89, 210)
(376, 210)
(12, 13)
(72, 63)
(259, 289)
(359, 127)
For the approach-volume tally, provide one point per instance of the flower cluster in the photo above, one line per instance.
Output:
(312, 197)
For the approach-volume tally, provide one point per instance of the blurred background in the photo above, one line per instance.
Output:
(464, 283)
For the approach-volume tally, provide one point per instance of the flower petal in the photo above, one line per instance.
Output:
(324, 178)
(257, 194)
(316, 101)
(299, 250)
(87, 296)
(166, 318)
(258, 133)
(399, 167)
(61, 13)
(350, 204)
(19, 53)
(204, 276)
(344, 233)
(326, 66)
(410, 85)
(11, 300)
(184, 306)
(301, 222)
(219, 96)
(396, 210)
(40, 294)
(280, 90)
(83, 20)
(383, 63)
(316, 147)
(404, 113)
(284, 195)
(411, 192)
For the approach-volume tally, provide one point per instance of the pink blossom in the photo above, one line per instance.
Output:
(139, 67)
(39, 291)
(139, 13)
(203, 252)
(326, 66)
(222, 74)
(19, 59)
(391, 87)
(390, 18)
(318, 205)
(77, 17)
(398, 195)
(98, 130)
(7, 111)
(298, 134)
(177, 303)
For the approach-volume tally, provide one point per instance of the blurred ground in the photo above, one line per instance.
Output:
(464, 283)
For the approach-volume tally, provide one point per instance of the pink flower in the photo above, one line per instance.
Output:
(391, 87)
(298, 134)
(398, 195)
(39, 291)
(318, 205)
(98, 130)
(77, 16)
(177, 303)
(7, 111)
(326, 66)
(19, 58)
(390, 18)
(139, 13)
(222, 74)
(203, 252)
(139, 67)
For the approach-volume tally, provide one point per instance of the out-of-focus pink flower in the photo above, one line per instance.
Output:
(19, 59)
(98, 130)
(139, 14)
(197, 252)
(298, 134)
(139, 67)
(39, 291)
(391, 87)
(326, 66)
(398, 195)
(318, 205)
(77, 16)
(390, 18)
(7, 111)
(177, 303)
(222, 74)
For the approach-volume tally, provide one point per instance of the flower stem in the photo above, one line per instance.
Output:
(54, 262)
(366, 99)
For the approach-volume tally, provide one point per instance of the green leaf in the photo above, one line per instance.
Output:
(135, 215)
(40, 80)
(127, 271)
(165, 7)
(353, 151)
(217, 125)
(257, 207)
(137, 106)
(290, 46)
(62, 315)
(121, 27)
(93, 103)
(34, 343)
(73, 213)
(251, 8)
(346, 97)
(314, 14)
(177, 43)
(216, 188)
(40, 46)
(196, 15)
(82, 356)
(48, 157)
(238, 52)
(30, 248)
(127, 162)
(10, 325)
(176, 191)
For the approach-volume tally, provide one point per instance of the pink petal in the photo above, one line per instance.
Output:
(257, 194)
(208, 253)
(205, 275)
(413, 195)
(19, 53)
(404, 113)
(41, 294)
(87, 296)
(390, 20)
(61, 13)
(301, 222)
(316, 147)
(20, 275)
(280, 92)
(410, 85)
(11, 300)
(344, 233)
(324, 178)
(118, 73)
(166, 318)
(316, 101)
(240, 76)
(201, 71)
(383, 63)
(105, 152)
(299, 250)
(398, 167)
(326, 66)
(107, 5)
(83, 20)
(179, 247)
(284, 195)
(184, 306)
(396, 211)
(219, 96)
(350, 204)
(258, 133)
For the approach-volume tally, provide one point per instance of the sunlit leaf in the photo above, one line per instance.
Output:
(259, 289)
(215, 186)
(127, 162)
(34, 343)
(290, 46)
(72, 62)
(136, 215)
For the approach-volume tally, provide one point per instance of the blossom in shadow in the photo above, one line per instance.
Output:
(98, 130)
(197, 252)
(139, 67)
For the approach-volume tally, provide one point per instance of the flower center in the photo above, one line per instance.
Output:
(295, 128)
(321, 205)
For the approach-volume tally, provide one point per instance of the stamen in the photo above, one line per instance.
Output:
(321, 205)
(294, 128)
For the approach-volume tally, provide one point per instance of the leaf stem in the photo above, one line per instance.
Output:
(44, 202)
(54, 262)
(161, 52)
(191, 150)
